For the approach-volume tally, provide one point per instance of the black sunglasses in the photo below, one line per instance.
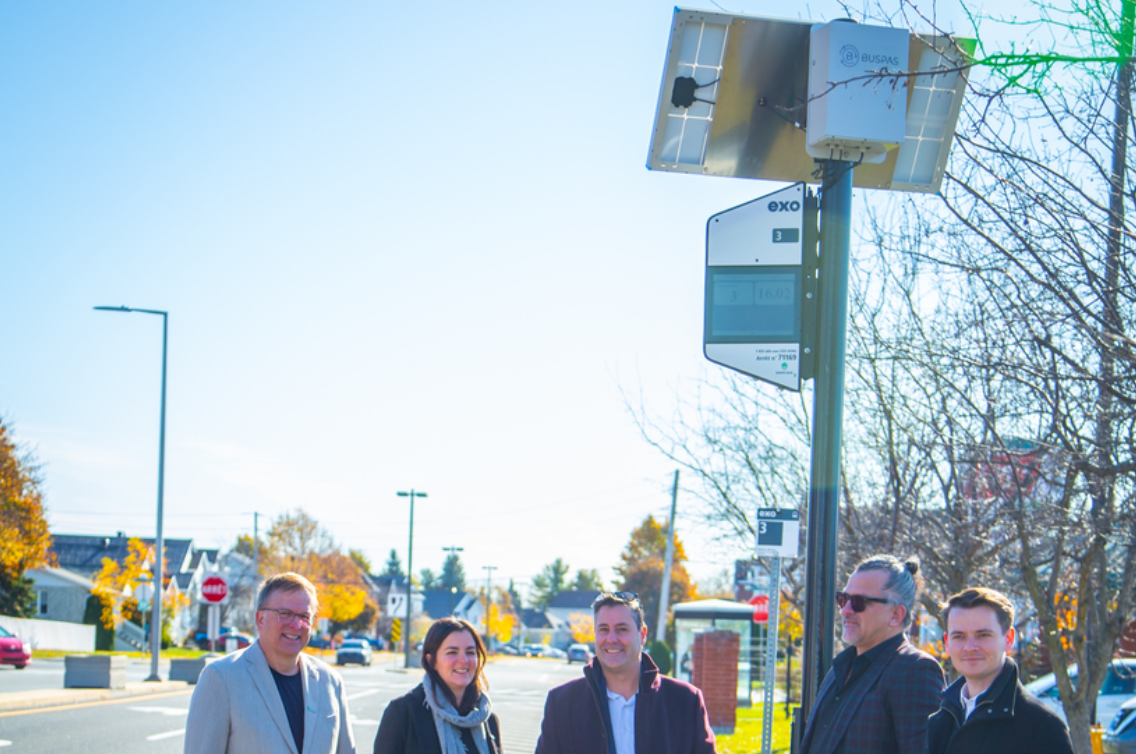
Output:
(859, 601)
(627, 597)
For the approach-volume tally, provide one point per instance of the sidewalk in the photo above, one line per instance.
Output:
(23, 700)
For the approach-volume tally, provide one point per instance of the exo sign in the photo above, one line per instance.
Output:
(215, 590)
(761, 287)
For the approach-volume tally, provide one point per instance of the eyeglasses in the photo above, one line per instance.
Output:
(287, 616)
(859, 601)
(627, 597)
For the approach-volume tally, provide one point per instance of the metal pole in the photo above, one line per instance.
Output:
(664, 598)
(409, 574)
(156, 609)
(409, 585)
(770, 680)
(828, 417)
(255, 563)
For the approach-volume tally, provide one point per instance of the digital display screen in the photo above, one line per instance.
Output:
(752, 305)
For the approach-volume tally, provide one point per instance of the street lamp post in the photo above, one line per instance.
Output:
(488, 600)
(156, 608)
(453, 550)
(409, 573)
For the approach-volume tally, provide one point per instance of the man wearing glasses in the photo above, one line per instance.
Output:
(880, 690)
(623, 705)
(271, 697)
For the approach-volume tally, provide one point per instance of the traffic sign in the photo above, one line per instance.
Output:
(760, 604)
(215, 590)
(761, 286)
(778, 532)
(396, 629)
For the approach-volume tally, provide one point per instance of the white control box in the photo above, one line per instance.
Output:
(856, 111)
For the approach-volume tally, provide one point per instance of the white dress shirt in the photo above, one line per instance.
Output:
(622, 721)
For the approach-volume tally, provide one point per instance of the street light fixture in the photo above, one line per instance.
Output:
(409, 573)
(159, 545)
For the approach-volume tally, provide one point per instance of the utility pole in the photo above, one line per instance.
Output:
(664, 599)
(409, 574)
(255, 563)
(488, 597)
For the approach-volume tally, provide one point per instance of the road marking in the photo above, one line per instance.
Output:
(5, 743)
(357, 721)
(362, 694)
(171, 734)
(99, 703)
(168, 711)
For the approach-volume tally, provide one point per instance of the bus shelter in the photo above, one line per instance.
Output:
(724, 615)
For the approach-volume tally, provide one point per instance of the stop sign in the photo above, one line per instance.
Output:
(760, 604)
(214, 589)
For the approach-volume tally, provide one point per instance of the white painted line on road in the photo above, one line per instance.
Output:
(167, 711)
(362, 694)
(160, 736)
(357, 721)
(5, 743)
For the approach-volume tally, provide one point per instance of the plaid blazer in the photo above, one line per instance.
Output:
(895, 696)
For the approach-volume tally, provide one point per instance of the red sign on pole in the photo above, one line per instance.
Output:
(760, 604)
(214, 590)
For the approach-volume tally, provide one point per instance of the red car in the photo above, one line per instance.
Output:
(13, 651)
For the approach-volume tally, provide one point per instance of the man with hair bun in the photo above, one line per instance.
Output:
(880, 690)
(988, 709)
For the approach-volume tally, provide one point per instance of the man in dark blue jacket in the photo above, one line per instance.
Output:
(623, 704)
(987, 709)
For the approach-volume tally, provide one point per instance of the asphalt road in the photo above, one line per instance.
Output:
(157, 723)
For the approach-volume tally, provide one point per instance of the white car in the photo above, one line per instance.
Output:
(1119, 686)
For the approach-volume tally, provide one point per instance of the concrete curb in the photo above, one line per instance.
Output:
(21, 700)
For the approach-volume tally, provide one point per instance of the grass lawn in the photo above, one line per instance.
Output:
(747, 736)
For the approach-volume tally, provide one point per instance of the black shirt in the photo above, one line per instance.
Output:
(847, 668)
(291, 688)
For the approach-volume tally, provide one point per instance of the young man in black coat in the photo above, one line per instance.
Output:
(987, 709)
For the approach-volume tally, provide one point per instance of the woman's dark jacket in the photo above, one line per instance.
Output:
(407, 727)
(1006, 720)
(670, 716)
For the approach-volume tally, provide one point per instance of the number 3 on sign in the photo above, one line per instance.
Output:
(778, 532)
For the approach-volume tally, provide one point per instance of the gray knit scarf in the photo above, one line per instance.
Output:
(447, 720)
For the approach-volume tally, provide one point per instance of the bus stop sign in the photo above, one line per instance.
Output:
(761, 287)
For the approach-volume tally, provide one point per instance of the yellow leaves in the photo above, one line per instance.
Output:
(1065, 611)
(341, 602)
(24, 535)
(501, 623)
(112, 579)
(583, 628)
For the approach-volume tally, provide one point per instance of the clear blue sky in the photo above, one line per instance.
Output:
(402, 245)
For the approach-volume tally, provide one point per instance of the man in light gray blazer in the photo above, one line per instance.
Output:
(271, 697)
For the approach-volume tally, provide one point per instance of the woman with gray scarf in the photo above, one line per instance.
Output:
(449, 712)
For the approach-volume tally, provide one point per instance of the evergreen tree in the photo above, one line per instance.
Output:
(453, 573)
(394, 565)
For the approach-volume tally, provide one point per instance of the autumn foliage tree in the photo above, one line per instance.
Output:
(24, 536)
(641, 569)
(297, 543)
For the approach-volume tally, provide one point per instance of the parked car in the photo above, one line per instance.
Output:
(508, 649)
(13, 650)
(579, 653)
(1119, 686)
(353, 650)
(533, 650)
(201, 638)
(243, 640)
(1120, 735)
(558, 654)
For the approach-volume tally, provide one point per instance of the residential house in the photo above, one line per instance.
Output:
(60, 594)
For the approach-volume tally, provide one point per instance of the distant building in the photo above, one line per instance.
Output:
(186, 566)
(60, 594)
(566, 606)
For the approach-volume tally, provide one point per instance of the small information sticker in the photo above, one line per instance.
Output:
(778, 532)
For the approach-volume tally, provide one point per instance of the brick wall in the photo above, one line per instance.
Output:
(716, 674)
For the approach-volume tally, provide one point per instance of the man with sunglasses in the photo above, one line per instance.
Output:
(880, 690)
(623, 704)
(271, 697)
